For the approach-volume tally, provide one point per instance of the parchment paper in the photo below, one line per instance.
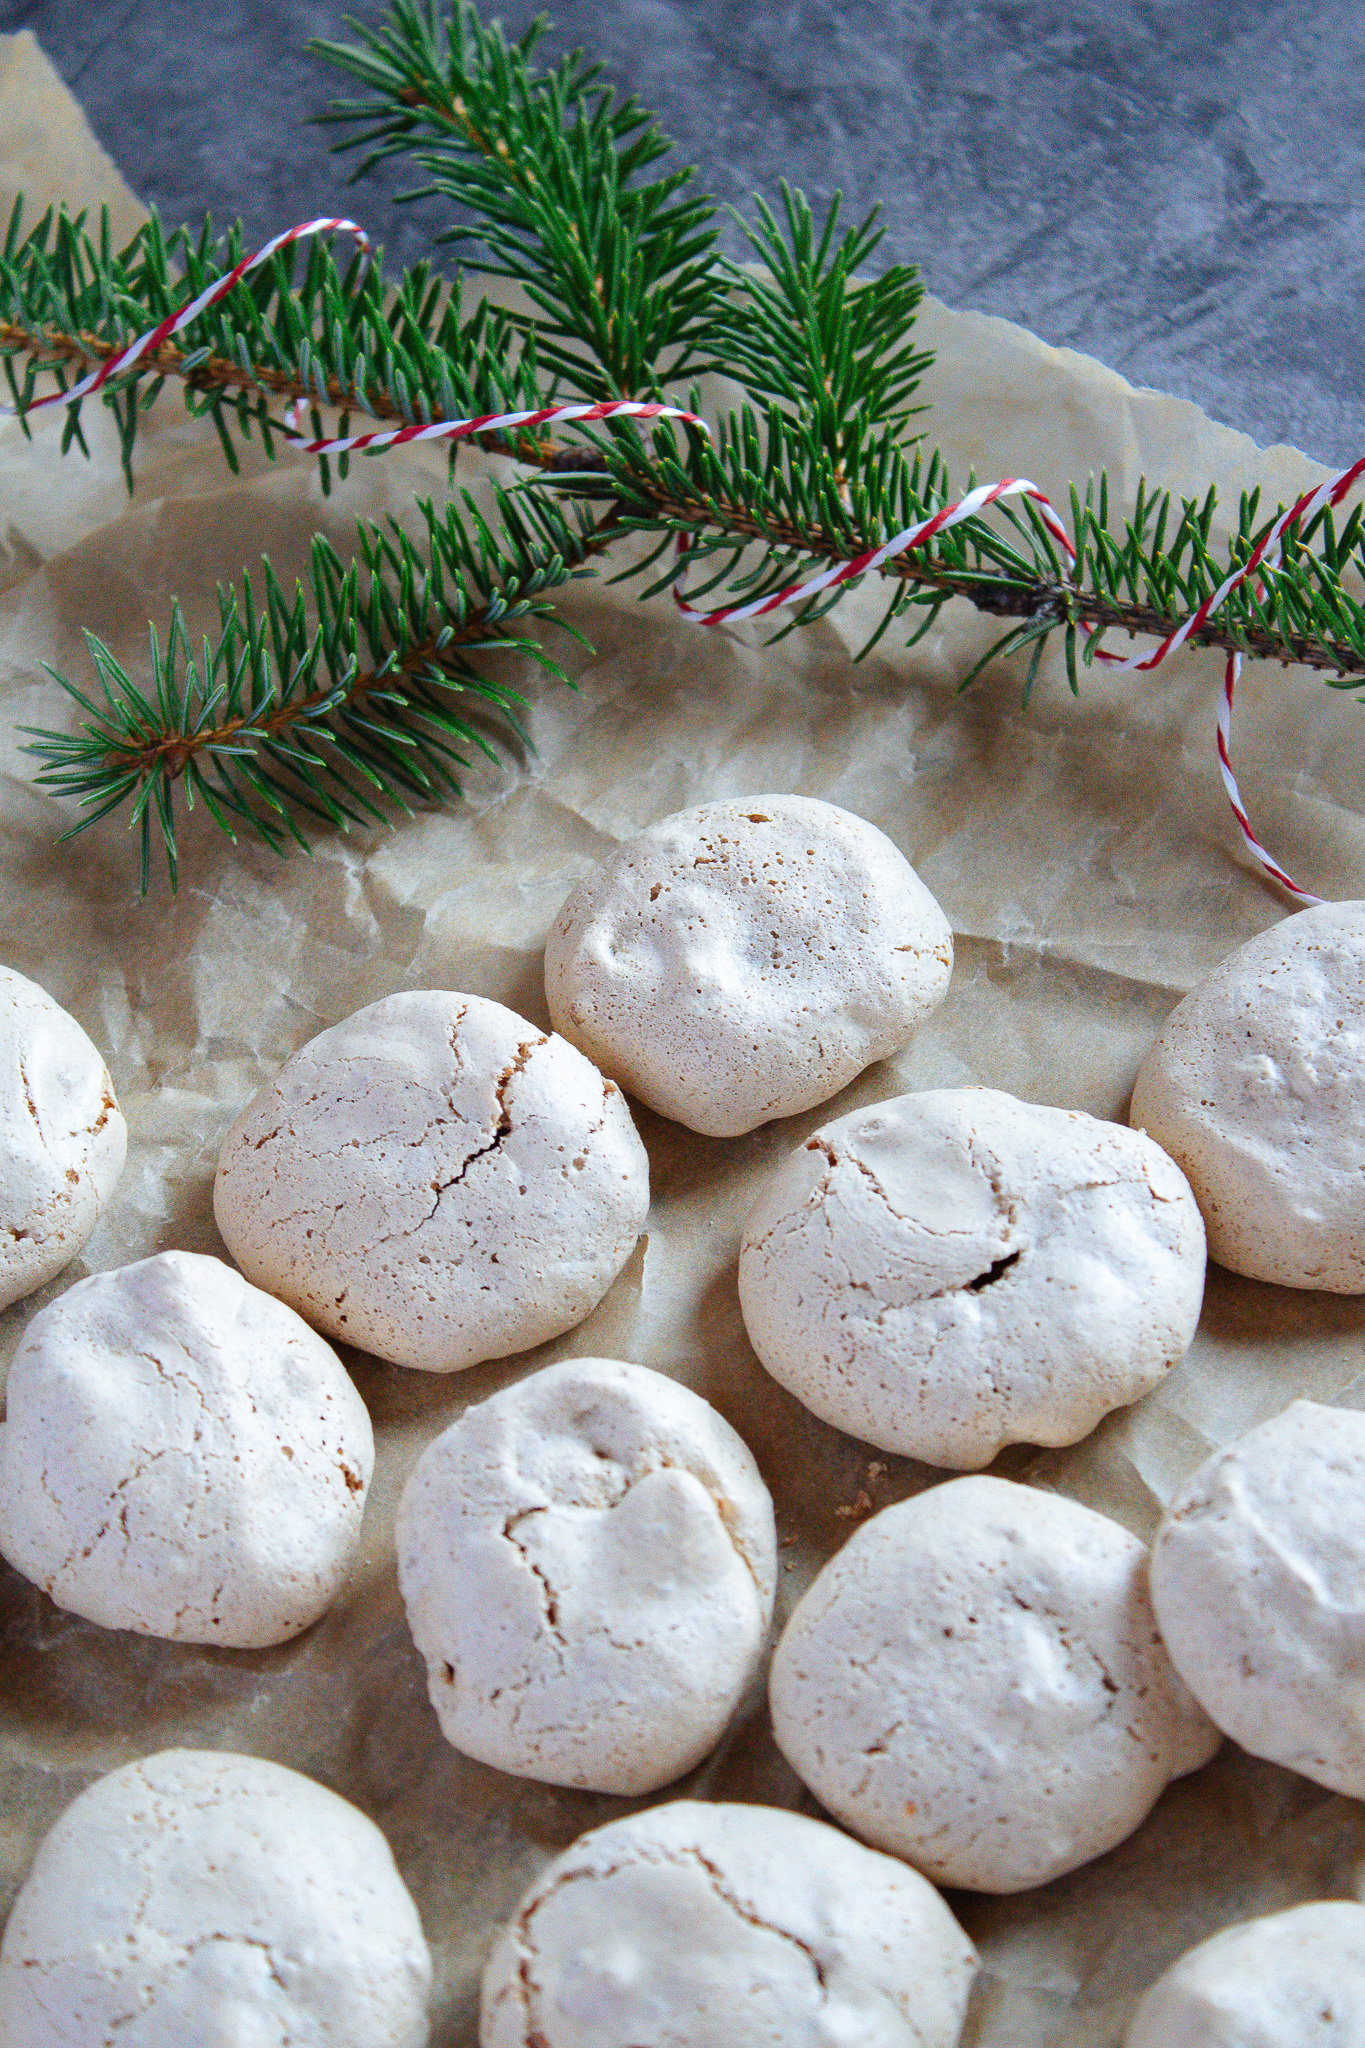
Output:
(1085, 855)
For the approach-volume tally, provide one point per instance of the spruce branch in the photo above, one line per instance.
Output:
(620, 266)
(340, 704)
(331, 337)
(834, 353)
(774, 505)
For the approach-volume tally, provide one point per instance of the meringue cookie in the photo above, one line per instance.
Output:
(1290, 1980)
(182, 1457)
(745, 960)
(435, 1180)
(975, 1682)
(1256, 1088)
(198, 1896)
(950, 1272)
(588, 1561)
(62, 1137)
(705, 1926)
(1258, 1581)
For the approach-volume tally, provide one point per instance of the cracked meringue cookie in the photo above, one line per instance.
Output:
(747, 959)
(975, 1682)
(436, 1181)
(950, 1272)
(182, 1457)
(588, 1561)
(704, 1926)
(1258, 1581)
(1256, 1087)
(62, 1137)
(1291, 1980)
(201, 1897)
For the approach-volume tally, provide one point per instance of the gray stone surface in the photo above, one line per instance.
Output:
(1172, 185)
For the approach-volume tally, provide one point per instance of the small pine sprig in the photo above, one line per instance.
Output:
(833, 351)
(620, 266)
(344, 703)
(762, 506)
(300, 327)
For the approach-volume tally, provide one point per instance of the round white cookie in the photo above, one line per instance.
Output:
(436, 1181)
(700, 1926)
(1256, 1087)
(976, 1683)
(62, 1137)
(1258, 1580)
(588, 1562)
(1292, 1980)
(201, 1897)
(745, 960)
(950, 1272)
(183, 1457)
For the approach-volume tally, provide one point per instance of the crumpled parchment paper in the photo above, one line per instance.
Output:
(1086, 857)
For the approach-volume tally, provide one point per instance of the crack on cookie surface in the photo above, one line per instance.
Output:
(654, 1856)
(998, 1269)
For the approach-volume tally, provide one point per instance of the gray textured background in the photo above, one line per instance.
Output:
(1174, 187)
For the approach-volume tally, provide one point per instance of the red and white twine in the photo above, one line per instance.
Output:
(1261, 563)
(1263, 560)
(174, 322)
(873, 558)
(442, 430)
(492, 423)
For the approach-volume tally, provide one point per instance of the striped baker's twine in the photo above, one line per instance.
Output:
(494, 423)
(913, 537)
(174, 322)
(1262, 561)
(1264, 860)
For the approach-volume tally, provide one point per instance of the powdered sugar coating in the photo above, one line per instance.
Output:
(588, 1561)
(62, 1137)
(435, 1180)
(745, 960)
(706, 1926)
(976, 1683)
(1258, 1580)
(202, 1897)
(949, 1272)
(182, 1457)
(1256, 1086)
(1290, 1980)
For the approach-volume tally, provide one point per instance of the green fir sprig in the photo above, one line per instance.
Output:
(769, 511)
(300, 327)
(835, 355)
(339, 704)
(619, 266)
(364, 693)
